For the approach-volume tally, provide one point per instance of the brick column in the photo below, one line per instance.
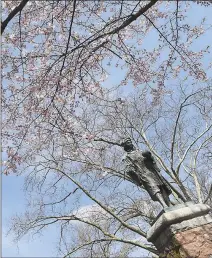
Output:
(183, 231)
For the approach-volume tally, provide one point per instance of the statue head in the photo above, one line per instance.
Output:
(128, 145)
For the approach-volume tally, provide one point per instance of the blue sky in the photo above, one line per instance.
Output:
(14, 201)
(13, 197)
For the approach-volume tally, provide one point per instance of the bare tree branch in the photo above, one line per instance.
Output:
(17, 9)
(136, 230)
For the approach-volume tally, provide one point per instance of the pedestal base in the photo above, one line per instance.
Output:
(184, 231)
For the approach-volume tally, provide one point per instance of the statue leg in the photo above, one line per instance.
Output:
(160, 199)
(166, 197)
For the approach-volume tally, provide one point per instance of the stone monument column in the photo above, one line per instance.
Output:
(183, 231)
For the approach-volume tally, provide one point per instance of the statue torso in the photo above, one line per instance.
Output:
(143, 167)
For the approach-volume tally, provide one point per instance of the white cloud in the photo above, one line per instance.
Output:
(90, 211)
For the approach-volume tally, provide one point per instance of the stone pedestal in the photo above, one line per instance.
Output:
(183, 231)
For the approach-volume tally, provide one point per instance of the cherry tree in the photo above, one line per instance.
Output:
(63, 117)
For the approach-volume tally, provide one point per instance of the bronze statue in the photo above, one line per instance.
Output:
(143, 170)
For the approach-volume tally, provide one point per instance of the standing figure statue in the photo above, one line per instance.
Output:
(143, 170)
